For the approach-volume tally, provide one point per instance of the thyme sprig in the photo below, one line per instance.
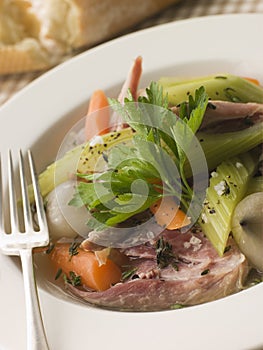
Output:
(72, 279)
(165, 255)
(73, 249)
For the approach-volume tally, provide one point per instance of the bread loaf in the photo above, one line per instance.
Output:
(37, 34)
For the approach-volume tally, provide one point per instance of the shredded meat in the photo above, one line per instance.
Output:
(199, 276)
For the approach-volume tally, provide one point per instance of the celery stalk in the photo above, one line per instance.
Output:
(228, 185)
(81, 159)
(218, 147)
(90, 157)
(224, 87)
(57, 172)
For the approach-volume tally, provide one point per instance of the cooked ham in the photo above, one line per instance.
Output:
(132, 81)
(130, 84)
(226, 116)
(198, 276)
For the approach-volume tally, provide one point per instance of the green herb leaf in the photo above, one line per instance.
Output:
(58, 274)
(140, 174)
(165, 255)
(128, 274)
(177, 306)
(73, 249)
(73, 279)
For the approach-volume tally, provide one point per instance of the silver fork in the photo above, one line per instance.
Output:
(19, 240)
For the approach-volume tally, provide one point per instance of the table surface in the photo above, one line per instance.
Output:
(11, 84)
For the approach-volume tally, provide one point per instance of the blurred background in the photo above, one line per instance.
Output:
(32, 42)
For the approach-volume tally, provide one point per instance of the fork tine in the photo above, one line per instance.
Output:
(12, 195)
(24, 194)
(38, 198)
(1, 198)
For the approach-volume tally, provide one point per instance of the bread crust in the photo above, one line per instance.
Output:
(100, 20)
(25, 56)
(20, 50)
(37, 34)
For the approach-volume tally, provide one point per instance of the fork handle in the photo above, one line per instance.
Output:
(36, 337)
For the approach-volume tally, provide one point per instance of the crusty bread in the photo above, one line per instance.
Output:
(37, 34)
(25, 56)
(20, 49)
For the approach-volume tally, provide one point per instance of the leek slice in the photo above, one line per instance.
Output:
(228, 185)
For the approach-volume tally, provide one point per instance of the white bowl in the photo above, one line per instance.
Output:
(38, 118)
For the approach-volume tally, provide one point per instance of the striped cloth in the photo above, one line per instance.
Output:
(196, 8)
(10, 84)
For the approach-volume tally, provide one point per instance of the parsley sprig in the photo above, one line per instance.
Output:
(140, 174)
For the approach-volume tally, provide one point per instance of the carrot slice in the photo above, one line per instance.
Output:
(85, 265)
(168, 214)
(98, 116)
(252, 80)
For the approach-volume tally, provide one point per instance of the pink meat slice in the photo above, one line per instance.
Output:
(201, 276)
(225, 115)
(132, 81)
(130, 84)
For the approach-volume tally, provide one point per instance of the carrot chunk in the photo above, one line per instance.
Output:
(169, 215)
(85, 264)
(98, 116)
(252, 80)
